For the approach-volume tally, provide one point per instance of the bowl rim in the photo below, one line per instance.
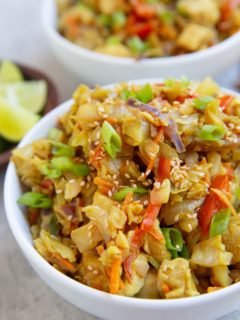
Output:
(49, 9)
(52, 99)
(31, 253)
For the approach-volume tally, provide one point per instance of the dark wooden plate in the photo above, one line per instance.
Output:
(30, 73)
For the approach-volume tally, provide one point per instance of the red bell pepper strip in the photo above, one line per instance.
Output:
(212, 204)
(152, 211)
(135, 245)
(225, 103)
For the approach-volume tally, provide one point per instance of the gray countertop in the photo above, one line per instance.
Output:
(23, 296)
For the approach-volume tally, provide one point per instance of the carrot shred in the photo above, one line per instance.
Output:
(103, 183)
(156, 234)
(115, 276)
(63, 263)
(165, 288)
(222, 196)
(127, 201)
(212, 289)
(112, 120)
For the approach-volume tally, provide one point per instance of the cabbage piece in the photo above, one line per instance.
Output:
(136, 131)
(140, 269)
(175, 275)
(154, 247)
(46, 244)
(149, 289)
(231, 238)
(211, 253)
(92, 272)
(220, 276)
(109, 255)
(106, 215)
(86, 237)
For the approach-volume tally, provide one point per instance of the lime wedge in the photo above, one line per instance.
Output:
(15, 121)
(9, 72)
(30, 95)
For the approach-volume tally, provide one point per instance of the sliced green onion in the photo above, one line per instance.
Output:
(238, 193)
(185, 252)
(121, 195)
(49, 171)
(211, 132)
(202, 102)
(81, 170)
(145, 94)
(220, 222)
(62, 163)
(118, 19)
(53, 226)
(174, 254)
(126, 94)
(104, 20)
(136, 45)
(61, 149)
(184, 81)
(35, 200)
(66, 164)
(113, 40)
(112, 142)
(167, 17)
(173, 238)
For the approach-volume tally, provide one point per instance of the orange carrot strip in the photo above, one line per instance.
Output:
(115, 276)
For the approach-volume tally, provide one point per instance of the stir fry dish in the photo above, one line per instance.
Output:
(136, 191)
(147, 28)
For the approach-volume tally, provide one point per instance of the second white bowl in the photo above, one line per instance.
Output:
(98, 68)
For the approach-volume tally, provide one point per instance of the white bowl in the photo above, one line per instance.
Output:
(98, 68)
(101, 304)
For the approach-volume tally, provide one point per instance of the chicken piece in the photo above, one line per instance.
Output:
(205, 12)
(140, 269)
(175, 280)
(149, 289)
(156, 248)
(211, 253)
(231, 238)
(195, 37)
(92, 272)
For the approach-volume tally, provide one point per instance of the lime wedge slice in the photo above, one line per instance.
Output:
(30, 95)
(15, 121)
(9, 72)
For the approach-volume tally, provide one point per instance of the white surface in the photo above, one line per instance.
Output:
(95, 67)
(23, 296)
(106, 306)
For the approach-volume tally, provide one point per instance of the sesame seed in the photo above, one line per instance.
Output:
(69, 218)
(157, 185)
(88, 186)
(95, 272)
(92, 152)
(105, 116)
(96, 143)
(89, 227)
(134, 185)
(127, 162)
(90, 268)
(89, 235)
(176, 218)
(114, 177)
(189, 226)
(59, 191)
(82, 183)
(148, 172)
(96, 123)
(145, 202)
(101, 109)
(98, 158)
(88, 178)
(71, 181)
(127, 175)
(110, 193)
